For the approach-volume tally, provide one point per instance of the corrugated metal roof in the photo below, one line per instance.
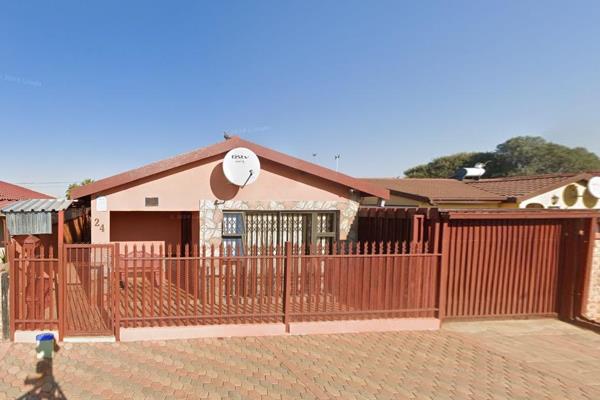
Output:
(5, 203)
(38, 205)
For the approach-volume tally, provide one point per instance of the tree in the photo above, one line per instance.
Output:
(76, 185)
(533, 155)
(523, 155)
(445, 167)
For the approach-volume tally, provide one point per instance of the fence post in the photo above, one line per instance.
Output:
(12, 304)
(62, 279)
(287, 276)
(444, 265)
(585, 270)
(116, 292)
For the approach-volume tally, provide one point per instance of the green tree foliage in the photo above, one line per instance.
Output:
(523, 155)
(444, 167)
(75, 185)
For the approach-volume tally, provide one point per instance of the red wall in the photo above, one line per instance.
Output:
(163, 226)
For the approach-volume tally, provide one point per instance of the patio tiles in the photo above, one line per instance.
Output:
(460, 362)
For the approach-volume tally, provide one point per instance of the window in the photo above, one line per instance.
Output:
(252, 231)
(326, 232)
(233, 233)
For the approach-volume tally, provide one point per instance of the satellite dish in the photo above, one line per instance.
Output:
(593, 186)
(241, 166)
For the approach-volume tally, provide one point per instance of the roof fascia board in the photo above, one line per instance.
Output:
(317, 170)
(411, 196)
(464, 201)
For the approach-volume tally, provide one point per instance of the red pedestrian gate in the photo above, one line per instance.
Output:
(87, 289)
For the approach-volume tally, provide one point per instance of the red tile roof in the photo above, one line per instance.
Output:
(513, 188)
(220, 148)
(10, 193)
(523, 187)
(436, 190)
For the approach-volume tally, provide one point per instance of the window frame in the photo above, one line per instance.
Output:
(313, 230)
(241, 237)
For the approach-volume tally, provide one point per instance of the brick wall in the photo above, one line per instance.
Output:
(593, 306)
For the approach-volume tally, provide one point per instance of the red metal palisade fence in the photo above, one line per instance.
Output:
(207, 285)
(98, 289)
(34, 291)
(457, 264)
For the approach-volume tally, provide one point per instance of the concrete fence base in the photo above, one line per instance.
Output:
(277, 329)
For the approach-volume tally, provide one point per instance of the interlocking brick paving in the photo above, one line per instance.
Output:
(449, 364)
(565, 350)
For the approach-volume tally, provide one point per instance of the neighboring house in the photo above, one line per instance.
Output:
(10, 194)
(188, 200)
(558, 191)
(445, 193)
(561, 191)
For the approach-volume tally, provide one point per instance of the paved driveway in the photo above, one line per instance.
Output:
(511, 360)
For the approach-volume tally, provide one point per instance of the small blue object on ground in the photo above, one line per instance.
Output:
(45, 345)
(44, 336)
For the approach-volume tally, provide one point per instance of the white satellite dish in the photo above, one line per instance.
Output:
(593, 186)
(241, 166)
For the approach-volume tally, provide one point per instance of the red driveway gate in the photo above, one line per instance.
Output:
(499, 264)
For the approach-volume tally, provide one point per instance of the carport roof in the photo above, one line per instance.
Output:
(38, 205)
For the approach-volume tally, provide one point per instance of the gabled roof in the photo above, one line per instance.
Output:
(519, 188)
(436, 191)
(220, 148)
(10, 193)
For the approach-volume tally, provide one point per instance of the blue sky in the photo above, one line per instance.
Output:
(92, 90)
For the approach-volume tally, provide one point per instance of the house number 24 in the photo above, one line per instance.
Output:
(98, 224)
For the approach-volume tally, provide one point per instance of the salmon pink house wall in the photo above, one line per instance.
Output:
(120, 213)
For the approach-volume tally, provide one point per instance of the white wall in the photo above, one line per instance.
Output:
(572, 196)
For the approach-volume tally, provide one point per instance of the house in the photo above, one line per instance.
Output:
(556, 191)
(561, 191)
(10, 194)
(227, 240)
(189, 200)
(444, 193)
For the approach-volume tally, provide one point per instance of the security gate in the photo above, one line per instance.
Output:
(88, 290)
(514, 266)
